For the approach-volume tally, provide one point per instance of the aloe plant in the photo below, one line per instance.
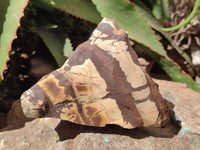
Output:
(160, 9)
(55, 40)
(15, 11)
(80, 8)
(132, 16)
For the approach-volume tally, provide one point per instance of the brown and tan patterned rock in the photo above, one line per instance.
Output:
(101, 83)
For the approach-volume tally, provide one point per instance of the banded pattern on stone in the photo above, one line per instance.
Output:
(101, 83)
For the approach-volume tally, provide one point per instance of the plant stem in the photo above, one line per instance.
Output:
(190, 17)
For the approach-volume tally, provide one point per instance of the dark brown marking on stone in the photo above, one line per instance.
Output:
(141, 100)
(83, 94)
(106, 29)
(90, 111)
(63, 81)
(133, 54)
(85, 119)
(56, 110)
(141, 87)
(52, 87)
(38, 94)
(161, 104)
(97, 120)
(67, 105)
(117, 85)
(121, 91)
(74, 117)
(120, 88)
(78, 58)
(81, 88)
(154, 93)
(78, 120)
(51, 110)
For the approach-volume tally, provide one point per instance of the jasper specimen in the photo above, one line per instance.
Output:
(101, 83)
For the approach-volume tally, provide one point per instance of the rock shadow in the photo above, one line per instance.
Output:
(15, 118)
(68, 130)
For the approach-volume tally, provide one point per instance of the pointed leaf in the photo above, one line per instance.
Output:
(53, 38)
(3, 8)
(80, 8)
(156, 9)
(160, 9)
(55, 42)
(148, 16)
(68, 49)
(165, 9)
(10, 26)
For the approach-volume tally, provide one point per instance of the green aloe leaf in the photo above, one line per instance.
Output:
(165, 9)
(68, 49)
(81, 8)
(148, 16)
(156, 9)
(160, 9)
(55, 39)
(157, 26)
(10, 25)
(3, 8)
(130, 18)
(171, 68)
